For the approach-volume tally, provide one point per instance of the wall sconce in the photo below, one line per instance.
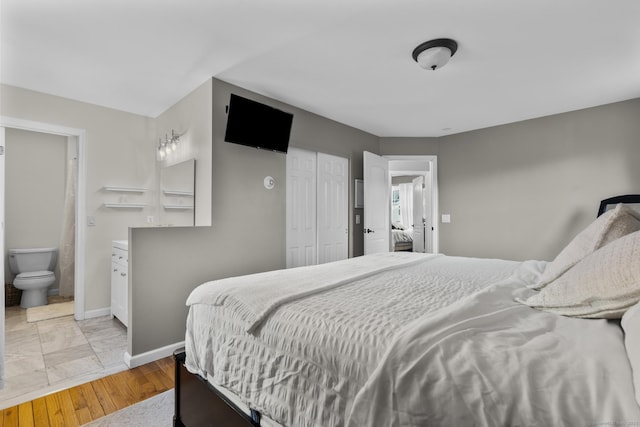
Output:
(168, 145)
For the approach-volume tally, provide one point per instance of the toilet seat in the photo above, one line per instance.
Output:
(34, 280)
(36, 275)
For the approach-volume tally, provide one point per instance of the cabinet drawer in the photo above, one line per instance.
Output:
(120, 256)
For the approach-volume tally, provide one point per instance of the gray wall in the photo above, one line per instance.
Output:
(35, 176)
(524, 190)
(248, 225)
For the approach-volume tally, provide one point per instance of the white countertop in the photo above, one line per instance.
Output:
(120, 244)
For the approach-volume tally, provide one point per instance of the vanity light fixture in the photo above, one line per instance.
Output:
(168, 145)
(435, 53)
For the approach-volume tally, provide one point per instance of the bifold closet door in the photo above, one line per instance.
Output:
(301, 208)
(332, 209)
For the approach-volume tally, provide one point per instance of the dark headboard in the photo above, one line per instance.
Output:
(631, 199)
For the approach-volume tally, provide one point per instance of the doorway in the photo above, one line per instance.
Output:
(79, 237)
(378, 200)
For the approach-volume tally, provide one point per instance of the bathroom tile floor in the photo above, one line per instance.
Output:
(49, 355)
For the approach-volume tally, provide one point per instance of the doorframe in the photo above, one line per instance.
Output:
(80, 209)
(433, 162)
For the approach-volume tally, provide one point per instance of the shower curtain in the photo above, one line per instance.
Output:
(66, 253)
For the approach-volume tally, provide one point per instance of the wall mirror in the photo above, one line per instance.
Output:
(177, 194)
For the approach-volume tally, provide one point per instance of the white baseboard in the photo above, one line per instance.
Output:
(97, 313)
(150, 356)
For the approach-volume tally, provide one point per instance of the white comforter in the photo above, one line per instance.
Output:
(316, 359)
(399, 236)
(487, 361)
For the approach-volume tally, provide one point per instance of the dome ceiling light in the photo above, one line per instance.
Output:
(435, 53)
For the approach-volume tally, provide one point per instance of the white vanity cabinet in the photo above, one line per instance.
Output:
(120, 280)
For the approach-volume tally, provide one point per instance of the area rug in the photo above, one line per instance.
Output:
(156, 411)
(50, 311)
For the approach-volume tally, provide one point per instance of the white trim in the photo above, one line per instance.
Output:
(29, 125)
(2, 295)
(92, 314)
(433, 161)
(150, 356)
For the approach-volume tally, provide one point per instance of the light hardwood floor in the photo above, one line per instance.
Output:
(84, 403)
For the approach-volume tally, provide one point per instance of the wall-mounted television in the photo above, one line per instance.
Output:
(257, 125)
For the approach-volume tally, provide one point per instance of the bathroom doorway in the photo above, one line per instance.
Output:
(79, 206)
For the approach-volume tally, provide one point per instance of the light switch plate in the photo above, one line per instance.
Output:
(91, 221)
(446, 218)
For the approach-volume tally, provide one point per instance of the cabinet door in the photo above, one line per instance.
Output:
(122, 295)
(115, 274)
(119, 287)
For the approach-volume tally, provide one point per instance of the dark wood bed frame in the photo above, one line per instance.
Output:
(632, 199)
(197, 403)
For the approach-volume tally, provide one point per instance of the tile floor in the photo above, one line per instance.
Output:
(50, 355)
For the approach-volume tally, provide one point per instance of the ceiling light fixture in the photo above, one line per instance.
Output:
(435, 53)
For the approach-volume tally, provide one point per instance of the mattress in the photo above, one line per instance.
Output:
(423, 340)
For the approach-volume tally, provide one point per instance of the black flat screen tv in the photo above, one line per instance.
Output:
(257, 125)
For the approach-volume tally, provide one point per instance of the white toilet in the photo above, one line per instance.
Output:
(34, 273)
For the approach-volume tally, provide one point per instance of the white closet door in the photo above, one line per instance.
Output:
(301, 208)
(333, 214)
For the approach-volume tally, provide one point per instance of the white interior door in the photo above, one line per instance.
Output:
(332, 208)
(377, 200)
(428, 211)
(418, 214)
(301, 208)
(2, 252)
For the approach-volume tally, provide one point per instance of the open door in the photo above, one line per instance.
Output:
(2, 296)
(418, 214)
(377, 199)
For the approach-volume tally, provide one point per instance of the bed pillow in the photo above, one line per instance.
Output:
(608, 227)
(631, 326)
(603, 285)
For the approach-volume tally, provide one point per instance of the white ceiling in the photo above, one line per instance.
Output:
(349, 60)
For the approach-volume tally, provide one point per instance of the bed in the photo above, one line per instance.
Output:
(413, 339)
(401, 237)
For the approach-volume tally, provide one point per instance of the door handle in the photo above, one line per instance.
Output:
(368, 230)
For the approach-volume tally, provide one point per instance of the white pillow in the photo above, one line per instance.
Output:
(608, 227)
(631, 326)
(603, 285)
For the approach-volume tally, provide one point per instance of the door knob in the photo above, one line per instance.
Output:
(368, 230)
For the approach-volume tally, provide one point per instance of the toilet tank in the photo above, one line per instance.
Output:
(33, 259)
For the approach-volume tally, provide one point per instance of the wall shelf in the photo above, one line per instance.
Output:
(177, 193)
(125, 205)
(125, 189)
(178, 207)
